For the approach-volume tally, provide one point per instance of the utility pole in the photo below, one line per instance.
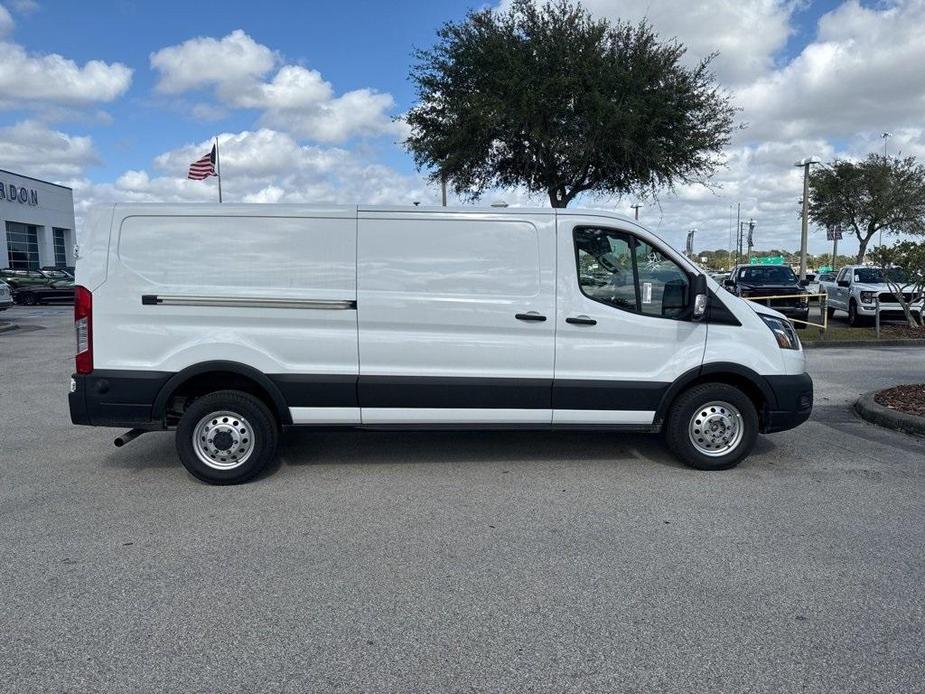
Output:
(443, 187)
(729, 247)
(804, 231)
(751, 231)
(636, 209)
(738, 230)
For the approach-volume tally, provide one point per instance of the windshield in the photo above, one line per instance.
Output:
(776, 274)
(869, 275)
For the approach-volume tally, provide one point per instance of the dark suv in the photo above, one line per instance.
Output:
(756, 281)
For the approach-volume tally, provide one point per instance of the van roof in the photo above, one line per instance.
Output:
(345, 210)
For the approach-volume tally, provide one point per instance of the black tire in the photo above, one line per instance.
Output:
(685, 407)
(27, 299)
(829, 312)
(854, 320)
(802, 317)
(261, 436)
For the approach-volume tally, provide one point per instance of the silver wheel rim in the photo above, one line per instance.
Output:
(223, 440)
(716, 428)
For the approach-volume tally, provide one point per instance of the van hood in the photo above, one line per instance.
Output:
(763, 310)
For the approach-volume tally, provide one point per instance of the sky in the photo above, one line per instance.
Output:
(116, 98)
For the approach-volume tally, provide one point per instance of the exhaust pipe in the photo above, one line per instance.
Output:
(129, 435)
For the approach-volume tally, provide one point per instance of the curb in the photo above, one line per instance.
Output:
(8, 327)
(876, 413)
(857, 344)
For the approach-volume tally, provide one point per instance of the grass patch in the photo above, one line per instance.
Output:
(839, 333)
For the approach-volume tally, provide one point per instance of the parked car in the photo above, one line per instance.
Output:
(56, 292)
(23, 278)
(59, 272)
(756, 281)
(6, 296)
(812, 283)
(825, 277)
(414, 317)
(855, 291)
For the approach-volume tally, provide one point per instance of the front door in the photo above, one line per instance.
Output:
(623, 327)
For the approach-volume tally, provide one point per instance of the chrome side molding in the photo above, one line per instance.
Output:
(246, 302)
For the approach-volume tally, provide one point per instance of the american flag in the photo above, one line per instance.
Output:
(203, 168)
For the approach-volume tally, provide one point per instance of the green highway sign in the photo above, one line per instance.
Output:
(768, 260)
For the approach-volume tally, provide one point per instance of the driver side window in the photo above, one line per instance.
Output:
(617, 269)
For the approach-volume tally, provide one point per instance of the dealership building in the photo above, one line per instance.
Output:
(36, 223)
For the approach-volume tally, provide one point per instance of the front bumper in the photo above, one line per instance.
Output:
(888, 309)
(793, 404)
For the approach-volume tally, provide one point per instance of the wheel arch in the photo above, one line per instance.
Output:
(210, 376)
(745, 379)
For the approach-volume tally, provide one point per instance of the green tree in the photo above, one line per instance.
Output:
(877, 194)
(903, 266)
(554, 100)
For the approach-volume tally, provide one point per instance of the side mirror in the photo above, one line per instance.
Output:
(728, 283)
(699, 297)
(844, 283)
(804, 283)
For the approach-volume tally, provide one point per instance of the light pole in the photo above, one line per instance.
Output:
(636, 210)
(804, 232)
(886, 136)
(690, 243)
(751, 240)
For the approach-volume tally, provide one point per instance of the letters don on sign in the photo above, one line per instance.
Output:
(23, 195)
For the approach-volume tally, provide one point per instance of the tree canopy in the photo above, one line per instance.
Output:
(877, 194)
(549, 98)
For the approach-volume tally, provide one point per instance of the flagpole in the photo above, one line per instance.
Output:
(218, 170)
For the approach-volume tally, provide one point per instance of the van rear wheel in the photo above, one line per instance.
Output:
(226, 437)
(712, 426)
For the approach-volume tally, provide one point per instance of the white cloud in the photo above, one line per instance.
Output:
(747, 33)
(296, 99)
(31, 148)
(862, 73)
(206, 61)
(6, 21)
(262, 166)
(53, 79)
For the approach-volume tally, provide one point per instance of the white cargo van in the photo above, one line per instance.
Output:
(229, 323)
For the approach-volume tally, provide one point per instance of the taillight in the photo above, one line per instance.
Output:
(83, 329)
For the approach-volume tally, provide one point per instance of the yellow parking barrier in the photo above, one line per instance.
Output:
(823, 304)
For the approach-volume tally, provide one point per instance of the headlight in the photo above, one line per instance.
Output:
(867, 297)
(783, 331)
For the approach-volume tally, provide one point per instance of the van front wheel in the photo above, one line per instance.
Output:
(226, 437)
(712, 426)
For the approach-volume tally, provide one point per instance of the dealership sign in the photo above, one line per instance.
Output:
(23, 195)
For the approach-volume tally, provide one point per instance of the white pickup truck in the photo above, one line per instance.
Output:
(855, 291)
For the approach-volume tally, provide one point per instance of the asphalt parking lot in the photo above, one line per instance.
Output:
(459, 562)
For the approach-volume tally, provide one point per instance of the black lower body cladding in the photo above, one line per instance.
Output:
(128, 398)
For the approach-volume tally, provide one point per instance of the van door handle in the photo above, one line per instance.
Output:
(533, 315)
(580, 320)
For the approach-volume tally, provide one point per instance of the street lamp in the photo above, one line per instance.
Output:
(886, 136)
(804, 233)
(636, 208)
